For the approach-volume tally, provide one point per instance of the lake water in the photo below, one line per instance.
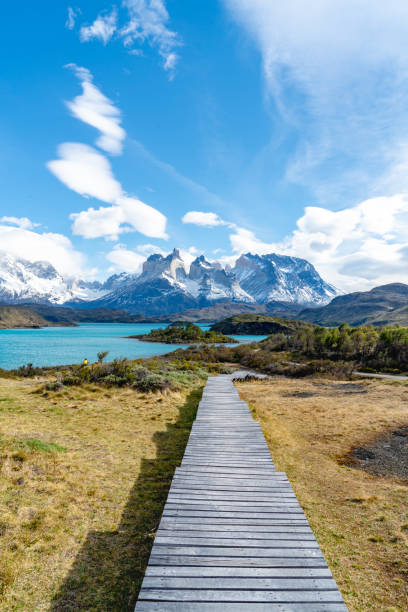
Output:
(66, 345)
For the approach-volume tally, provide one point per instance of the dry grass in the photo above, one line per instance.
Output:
(360, 521)
(83, 480)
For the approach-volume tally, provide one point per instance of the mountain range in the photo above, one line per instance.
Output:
(167, 290)
(166, 285)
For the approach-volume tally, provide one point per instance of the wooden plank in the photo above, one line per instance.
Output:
(243, 562)
(225, 551)
(229, 595)
(239, 583)
(238, 572)
(181, 540)
(268, 532)
(183, 606)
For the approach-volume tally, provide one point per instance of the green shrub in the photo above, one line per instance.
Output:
(55, 385)
(152, 382)
(28, 370)
(112, 380)
(101, 355)
(71, 380)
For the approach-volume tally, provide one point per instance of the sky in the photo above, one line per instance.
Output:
(217, 127)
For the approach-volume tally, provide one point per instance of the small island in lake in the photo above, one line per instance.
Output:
(256, 325)
(181, 332)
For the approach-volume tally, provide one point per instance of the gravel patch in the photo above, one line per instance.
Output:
(387, 456)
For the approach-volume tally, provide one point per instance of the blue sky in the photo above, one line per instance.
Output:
(219, 127)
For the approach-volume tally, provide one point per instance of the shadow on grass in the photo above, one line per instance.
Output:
(108, 570)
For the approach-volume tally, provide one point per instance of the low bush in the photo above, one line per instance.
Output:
(152, 382)
(71, 380)
(112, 380)
(55, 385)
(27, 370)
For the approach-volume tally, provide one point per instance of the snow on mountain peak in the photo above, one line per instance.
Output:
(26, 281)
(167, 285)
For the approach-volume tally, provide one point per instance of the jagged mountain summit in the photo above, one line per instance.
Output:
(39, 282)
(166, 284)
(282, 278)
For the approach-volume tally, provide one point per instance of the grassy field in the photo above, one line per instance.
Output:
(84, 477)
(360, 520)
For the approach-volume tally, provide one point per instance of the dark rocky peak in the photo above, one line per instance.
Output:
(157, 265)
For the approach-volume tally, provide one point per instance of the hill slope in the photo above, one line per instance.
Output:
(382, 305)
(12, 317)
(222, 310)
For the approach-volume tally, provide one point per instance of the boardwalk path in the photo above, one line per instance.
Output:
(233, 536)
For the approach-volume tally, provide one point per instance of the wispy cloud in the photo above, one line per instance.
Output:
(103, 28)
(146, 21)
(94, 108)
(22, 222)
(337, 73)
(173, 173)
(71, 17)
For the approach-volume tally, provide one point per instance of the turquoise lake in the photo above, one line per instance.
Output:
(66, 345)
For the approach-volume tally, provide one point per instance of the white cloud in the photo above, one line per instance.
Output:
(84, 170)
(358, 247)
(72, 15)
(245, 241)
(126, 260)
(337, 72)
(88, 172)
(94, 108)
(105, 221)
(355, 248)
(206, 219)
(143, 218)
(146, 21)
(22, 222)
(103, 28)
(47, 246)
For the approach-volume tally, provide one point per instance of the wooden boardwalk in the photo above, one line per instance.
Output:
(233, 536)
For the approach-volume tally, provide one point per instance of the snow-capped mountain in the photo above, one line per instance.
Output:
(166, 285)
(24, 281)
(279, 277)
